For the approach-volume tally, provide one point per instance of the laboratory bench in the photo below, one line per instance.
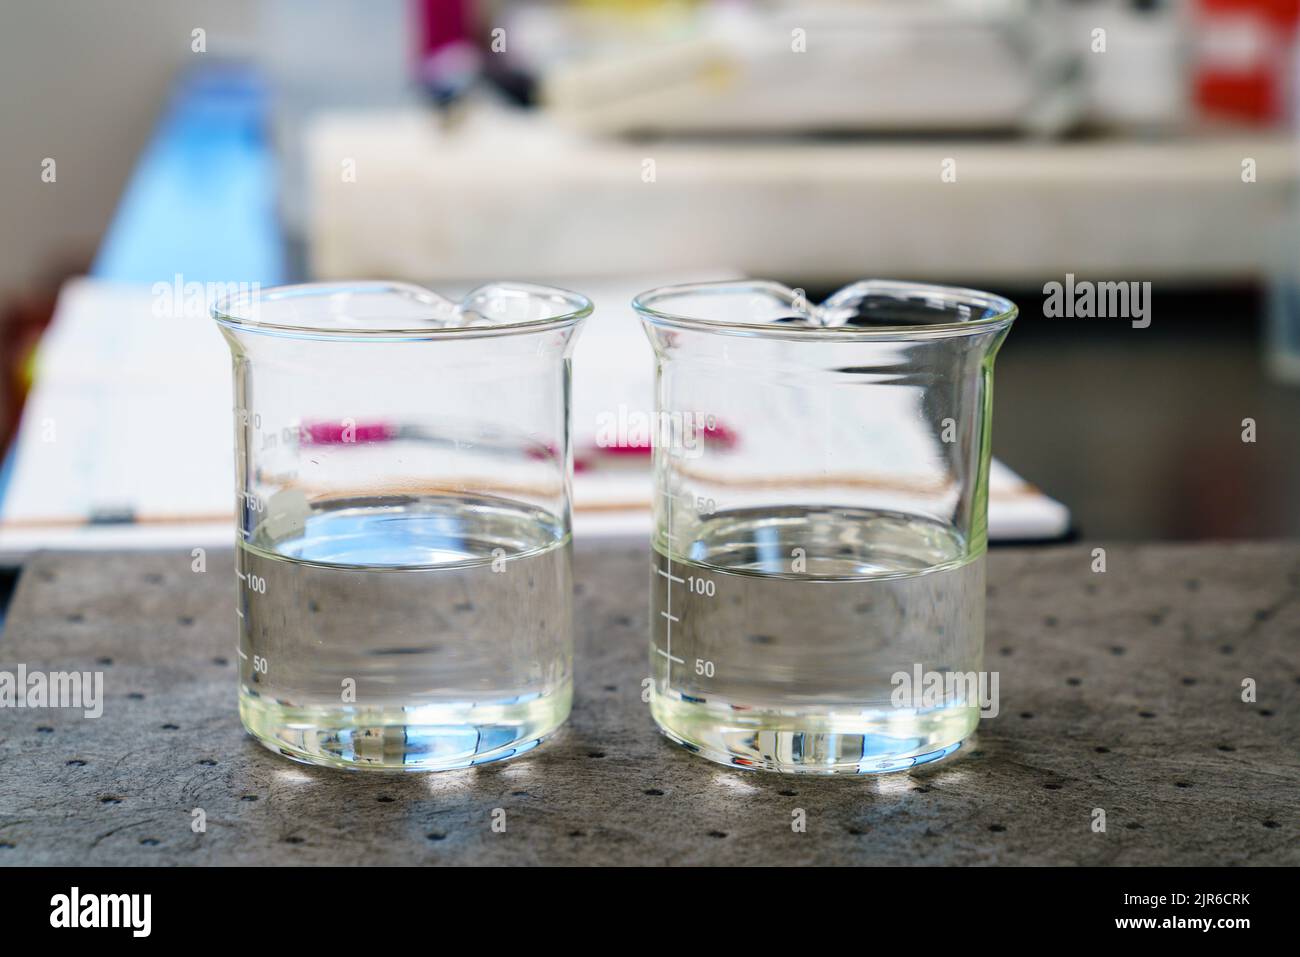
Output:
(1121, 699)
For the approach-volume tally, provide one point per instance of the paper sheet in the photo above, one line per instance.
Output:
(130, 419)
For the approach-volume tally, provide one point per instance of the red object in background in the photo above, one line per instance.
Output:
(716, 435)
(336, 433)
(1243, 67)
(441, 22)
(22, 320)
(445, 51)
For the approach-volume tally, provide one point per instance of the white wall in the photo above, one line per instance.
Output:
(82, 81)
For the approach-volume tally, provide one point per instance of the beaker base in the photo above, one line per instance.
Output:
(439, 737)
(813, 743)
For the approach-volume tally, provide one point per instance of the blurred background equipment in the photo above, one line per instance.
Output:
(613, 145)
(819, 211)
(1245, 58)
(891, 66)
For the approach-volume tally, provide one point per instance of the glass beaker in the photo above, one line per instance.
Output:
(403, 548)
(821, 487)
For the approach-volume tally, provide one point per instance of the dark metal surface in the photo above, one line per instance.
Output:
(1119, 691)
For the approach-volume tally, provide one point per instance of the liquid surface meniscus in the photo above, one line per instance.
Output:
(777, 636)
(408, 633)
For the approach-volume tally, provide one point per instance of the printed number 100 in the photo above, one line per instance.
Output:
(701, 586)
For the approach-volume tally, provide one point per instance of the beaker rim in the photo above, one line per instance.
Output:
(997, 311)
(412, 313)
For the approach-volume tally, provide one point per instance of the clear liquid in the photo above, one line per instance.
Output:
(776, 635)
(406, 633)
